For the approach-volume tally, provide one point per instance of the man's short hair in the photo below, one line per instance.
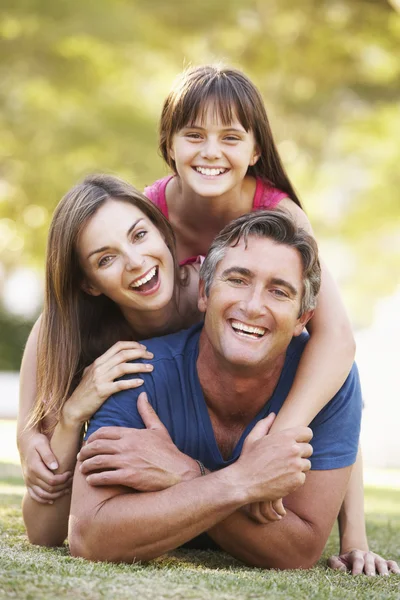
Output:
(279, 226)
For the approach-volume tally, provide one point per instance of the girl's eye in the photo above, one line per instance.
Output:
(193, 136)
(105, 261)
(139, 234)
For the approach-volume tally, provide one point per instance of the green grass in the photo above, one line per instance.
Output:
(45, 574)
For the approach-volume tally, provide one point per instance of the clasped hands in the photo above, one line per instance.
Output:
(147, 460)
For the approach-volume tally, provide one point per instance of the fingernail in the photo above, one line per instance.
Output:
(53, 466)
(149, 367)
(149, 355)
(138, 381)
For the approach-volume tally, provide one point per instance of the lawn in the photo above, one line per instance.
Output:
(36, 573)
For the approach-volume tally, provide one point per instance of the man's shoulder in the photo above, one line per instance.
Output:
(174, 345)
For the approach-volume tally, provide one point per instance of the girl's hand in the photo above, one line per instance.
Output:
(358, 562)
(38, 463)
(98, 381)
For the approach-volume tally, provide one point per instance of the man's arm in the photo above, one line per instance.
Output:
(111, 523)
(297, 540)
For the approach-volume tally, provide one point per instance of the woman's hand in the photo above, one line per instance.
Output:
(38, 463)
(358, 561)
(98, 381)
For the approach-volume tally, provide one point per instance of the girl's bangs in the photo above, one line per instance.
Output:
(229, 103)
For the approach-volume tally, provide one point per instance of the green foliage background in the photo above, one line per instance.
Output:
(82, 84)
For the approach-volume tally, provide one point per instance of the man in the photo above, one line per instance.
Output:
(215, 389)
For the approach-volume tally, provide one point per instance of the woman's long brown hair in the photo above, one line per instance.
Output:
(233, 95)
(76, 328)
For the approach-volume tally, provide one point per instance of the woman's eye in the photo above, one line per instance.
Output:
(105, 260)
(231, 138)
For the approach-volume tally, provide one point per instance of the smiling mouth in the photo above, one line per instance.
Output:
(211, 171)
(248, 331)
(147, 282)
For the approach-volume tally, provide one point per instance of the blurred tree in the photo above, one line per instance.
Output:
(82, 84)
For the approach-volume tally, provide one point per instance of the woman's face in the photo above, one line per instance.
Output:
(124, 257)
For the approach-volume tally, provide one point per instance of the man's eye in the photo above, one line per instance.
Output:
(105, 261)
(279, 293)
(236, 281)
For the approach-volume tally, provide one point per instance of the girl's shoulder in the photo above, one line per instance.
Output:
(156, 193)
(266, 195)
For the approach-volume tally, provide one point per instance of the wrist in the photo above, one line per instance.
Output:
(69, 419)
(190, 469)
(347, 546)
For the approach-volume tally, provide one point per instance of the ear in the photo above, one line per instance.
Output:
(90, 289)
(302, 322)
(255, 157)
(202, 301)
(171, 152)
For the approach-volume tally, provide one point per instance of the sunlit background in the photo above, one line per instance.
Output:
(81, 89)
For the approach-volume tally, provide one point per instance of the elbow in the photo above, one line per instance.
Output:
(82, 540)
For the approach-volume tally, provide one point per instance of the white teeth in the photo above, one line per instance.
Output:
(248, 328)
(145, 279)
(210, 172)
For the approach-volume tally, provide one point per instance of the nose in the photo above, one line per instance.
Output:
(254, 305)
(133, 260)
(211, 149)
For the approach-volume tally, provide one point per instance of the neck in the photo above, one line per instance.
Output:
(197, 210)
(235, 395)
(148, 324)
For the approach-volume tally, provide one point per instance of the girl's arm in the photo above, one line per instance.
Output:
(47, 524)
(329, 354)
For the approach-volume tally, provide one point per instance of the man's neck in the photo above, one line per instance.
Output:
(234, 396)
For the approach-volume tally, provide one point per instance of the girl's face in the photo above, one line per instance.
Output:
(124, 257)
(212, 158)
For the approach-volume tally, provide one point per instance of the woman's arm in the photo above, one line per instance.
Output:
(38, 461)
(47, 524)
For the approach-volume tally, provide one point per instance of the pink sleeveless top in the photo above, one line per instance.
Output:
(265, 197)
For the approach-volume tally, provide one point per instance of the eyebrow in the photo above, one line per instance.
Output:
(103, 248)
(225, 129)
(248, 273)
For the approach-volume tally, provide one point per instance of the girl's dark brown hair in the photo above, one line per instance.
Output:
(233, 95)
(76, 328)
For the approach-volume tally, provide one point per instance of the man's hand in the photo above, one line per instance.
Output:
(358, 562)
(146, 460)
(274, 466)
(38, 463)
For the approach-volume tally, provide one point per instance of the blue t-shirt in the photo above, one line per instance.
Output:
(174, 391)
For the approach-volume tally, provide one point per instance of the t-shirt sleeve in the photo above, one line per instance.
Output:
(119, 410)
(337, 427)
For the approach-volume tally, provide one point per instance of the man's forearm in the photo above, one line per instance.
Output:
(142, 526)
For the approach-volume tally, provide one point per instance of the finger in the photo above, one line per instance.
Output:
(305, 465)
(255, 514)
(125, 367)
(148, 414)
(109, 433)
(393, 567)
(266, 509)
(115, 349)
(261, 428)
(52, 489)
(336, 563)
(306, 450)
(42, 494)
(369, 564)
(107, 478)
(302, 434)
(46, 455)
(37, 498)
(358, 563)
(278, 507)
(124, 357)
(381, 566)
(97, 447)
(122, 384)
(99, 463)
(43, 477)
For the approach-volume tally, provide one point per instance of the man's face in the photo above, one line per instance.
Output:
(254, 302)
